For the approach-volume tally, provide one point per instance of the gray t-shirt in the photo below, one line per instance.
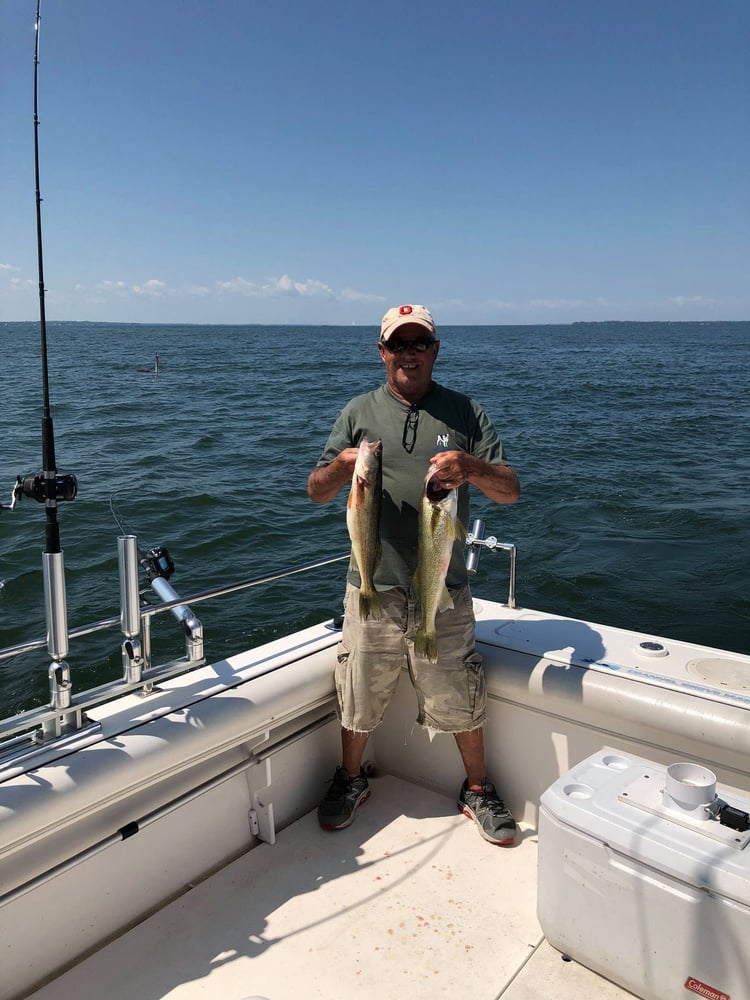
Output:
(443, 420)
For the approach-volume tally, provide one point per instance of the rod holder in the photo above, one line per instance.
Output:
(190, 625)
(130, 610)
(474, 554)
(60, 686)
(132, 662)
(55, 604)
(690, 788)
(476, 541)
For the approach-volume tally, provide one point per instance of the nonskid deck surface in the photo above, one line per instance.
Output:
(409, 900)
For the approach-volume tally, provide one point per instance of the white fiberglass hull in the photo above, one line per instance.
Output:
(105, 827)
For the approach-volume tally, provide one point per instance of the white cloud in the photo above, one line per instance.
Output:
(240, 285)
(505, 305)
(500, 304)
(352, 295)
(14, 286)
(286, 286)
(310, 288)
(153, 287)
(118, 292)
(690, 300)
(557, 303)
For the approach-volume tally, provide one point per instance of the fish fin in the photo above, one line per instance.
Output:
(357, 493)
(369, 605)
(425, 645)
(446, 601)
(459, 531)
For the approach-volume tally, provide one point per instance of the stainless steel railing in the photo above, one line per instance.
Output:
(66, 711)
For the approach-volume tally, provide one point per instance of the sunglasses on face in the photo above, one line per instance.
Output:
(399, 346)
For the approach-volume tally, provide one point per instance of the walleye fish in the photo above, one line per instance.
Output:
(363, 522)
(439, 527)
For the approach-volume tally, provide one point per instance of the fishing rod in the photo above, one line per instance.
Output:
(48, 486)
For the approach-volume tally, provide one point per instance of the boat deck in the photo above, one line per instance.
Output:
(409, 900)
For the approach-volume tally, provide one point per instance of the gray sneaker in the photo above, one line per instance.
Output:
(343, 798)
(488, 811)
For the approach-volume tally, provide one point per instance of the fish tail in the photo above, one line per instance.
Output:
(369, 605)
(426, 645)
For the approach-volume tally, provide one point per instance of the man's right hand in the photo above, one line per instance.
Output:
(325, 482)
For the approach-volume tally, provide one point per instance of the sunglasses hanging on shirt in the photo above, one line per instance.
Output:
(409, 438)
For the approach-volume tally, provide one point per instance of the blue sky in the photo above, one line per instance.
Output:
(232, 161)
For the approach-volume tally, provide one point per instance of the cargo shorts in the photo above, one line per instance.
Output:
(451, 694)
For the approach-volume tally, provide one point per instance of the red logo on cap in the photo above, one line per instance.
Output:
(405, 310)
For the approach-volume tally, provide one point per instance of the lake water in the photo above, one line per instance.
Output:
(632, 442)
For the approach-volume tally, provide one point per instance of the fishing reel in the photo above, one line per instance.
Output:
(157, 564)
(64, 486)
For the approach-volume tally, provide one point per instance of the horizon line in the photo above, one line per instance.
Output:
(348, 326)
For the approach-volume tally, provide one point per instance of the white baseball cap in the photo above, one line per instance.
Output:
(401, 315)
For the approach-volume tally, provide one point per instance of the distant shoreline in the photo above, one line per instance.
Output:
(374, 326)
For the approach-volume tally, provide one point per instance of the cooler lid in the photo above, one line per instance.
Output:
(657, 816)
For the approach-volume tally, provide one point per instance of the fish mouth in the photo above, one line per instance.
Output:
(435, 491)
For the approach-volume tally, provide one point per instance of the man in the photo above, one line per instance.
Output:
(421, 425)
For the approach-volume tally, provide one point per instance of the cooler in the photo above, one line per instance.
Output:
(640, 880)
